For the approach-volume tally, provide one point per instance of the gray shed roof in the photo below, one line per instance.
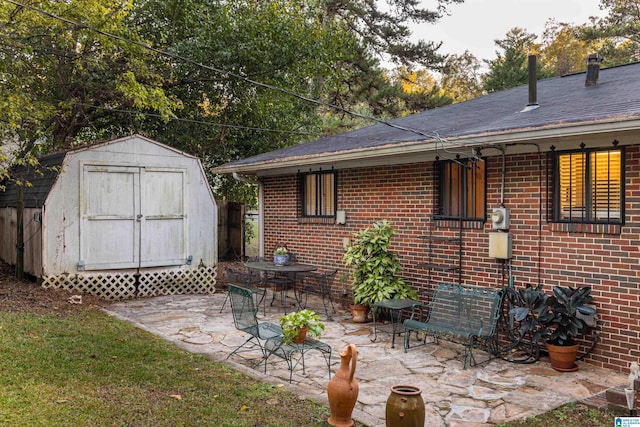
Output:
(566, 107)
(41, 180)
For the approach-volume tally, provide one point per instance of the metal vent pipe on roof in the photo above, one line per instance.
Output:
(593, 69)
(533, 86)
(533, 83)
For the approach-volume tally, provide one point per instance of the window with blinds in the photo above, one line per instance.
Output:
(589, 186)
(318, 190)
(462, 189)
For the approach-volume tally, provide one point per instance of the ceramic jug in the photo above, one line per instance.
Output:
(405, 407)
(342, 390)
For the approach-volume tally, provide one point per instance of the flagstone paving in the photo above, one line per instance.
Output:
(485, 395)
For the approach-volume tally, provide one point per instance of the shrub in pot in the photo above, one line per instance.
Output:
(297, 325)
(563, 324)
(375, 267)
(556, 319)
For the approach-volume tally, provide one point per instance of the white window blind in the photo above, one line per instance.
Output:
(590, 186)
(319, 198)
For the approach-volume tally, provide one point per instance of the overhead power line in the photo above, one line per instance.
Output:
(227, 73)
(194, 121)
(433, 135)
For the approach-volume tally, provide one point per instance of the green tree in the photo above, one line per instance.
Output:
(510, 68)
(66, 82)
(461, 77)
(56, 74)
(419, 90)
(618, 32)
(384, 31)
(562, 51)
(204, 76)
(231, 116)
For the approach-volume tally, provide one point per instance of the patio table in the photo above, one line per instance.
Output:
(289, 268)
(395, 307)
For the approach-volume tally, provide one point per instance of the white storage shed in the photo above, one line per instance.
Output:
(129, 217)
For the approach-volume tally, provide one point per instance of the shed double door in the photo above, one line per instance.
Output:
(132, 217)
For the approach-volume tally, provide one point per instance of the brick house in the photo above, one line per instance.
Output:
(534, 184)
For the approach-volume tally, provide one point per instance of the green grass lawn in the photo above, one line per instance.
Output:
(84, 368)
(569, 415)
(87, 369)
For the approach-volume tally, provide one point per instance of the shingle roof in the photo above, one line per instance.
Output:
(42, 178)
(564, 101)
(40, 182)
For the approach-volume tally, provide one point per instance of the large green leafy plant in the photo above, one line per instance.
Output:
(563, 321)
(530, 306)
(557, 318)
(375, 267)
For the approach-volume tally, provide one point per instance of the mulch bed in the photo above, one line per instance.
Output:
(27, 295)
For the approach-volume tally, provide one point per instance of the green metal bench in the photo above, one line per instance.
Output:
(459, 312)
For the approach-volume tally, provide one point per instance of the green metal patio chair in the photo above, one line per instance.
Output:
(250, 281)
(244, 318)
(282, 282)
(318, 283)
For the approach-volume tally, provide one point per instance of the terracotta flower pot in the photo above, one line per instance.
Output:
(359, 312)
(302, 334)
(563, 357)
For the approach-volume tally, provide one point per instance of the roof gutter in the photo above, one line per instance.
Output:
(246, 179)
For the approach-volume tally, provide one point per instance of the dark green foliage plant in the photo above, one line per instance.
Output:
(563, 321)
(555, 318)
(530, 307)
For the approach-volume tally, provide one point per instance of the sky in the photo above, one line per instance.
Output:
(475, 24)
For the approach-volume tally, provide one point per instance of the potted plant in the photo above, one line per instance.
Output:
(375, 269)
(557, 319)
(563, 324)
(298, 325)
(280, 255)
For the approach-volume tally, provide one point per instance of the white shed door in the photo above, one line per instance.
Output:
(163, 230)
(132, 217)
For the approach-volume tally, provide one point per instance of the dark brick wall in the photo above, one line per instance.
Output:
(605, 258)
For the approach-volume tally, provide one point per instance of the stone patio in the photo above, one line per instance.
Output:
(485, 395)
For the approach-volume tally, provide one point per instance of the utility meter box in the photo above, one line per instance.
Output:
(500, 245)
(500, 219)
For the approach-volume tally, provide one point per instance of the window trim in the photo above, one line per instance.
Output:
(554, 212)
(303, 194)
(439, 166)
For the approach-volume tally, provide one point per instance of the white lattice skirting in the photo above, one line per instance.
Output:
(119, 286)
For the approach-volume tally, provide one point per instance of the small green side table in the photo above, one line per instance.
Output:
(395, 307)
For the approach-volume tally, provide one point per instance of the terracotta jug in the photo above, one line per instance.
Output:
(342, 390)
